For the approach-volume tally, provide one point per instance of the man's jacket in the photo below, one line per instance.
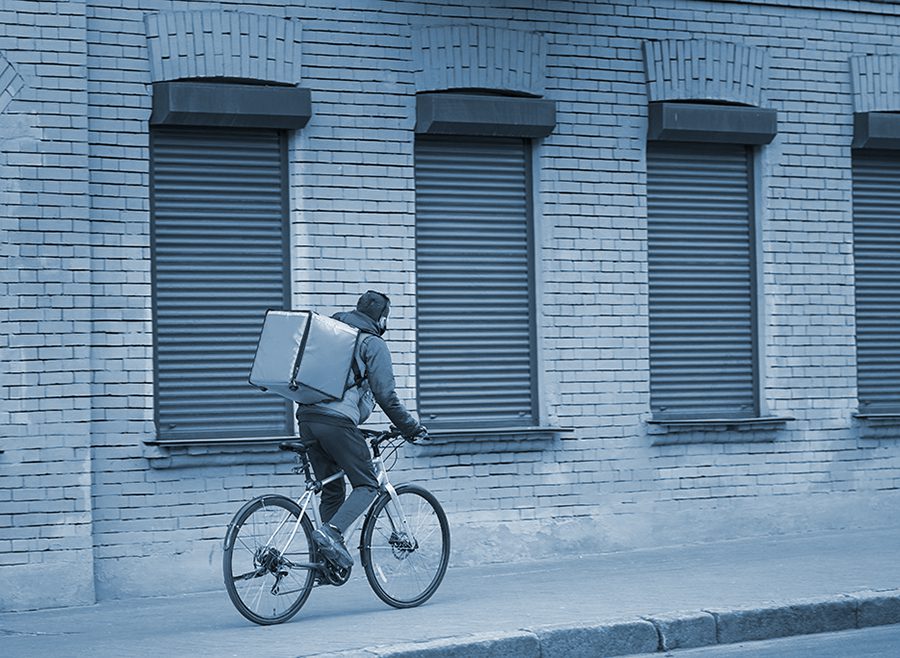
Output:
(374, 358)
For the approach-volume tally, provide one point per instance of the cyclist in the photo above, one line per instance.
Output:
(330, 432)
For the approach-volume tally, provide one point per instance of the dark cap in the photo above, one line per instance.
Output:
(373, 304)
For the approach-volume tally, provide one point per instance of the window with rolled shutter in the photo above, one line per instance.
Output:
(876, 246)
(220, 259)
(701, 273)
(474, 282)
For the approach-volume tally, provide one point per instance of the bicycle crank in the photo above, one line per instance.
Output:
(335, 574)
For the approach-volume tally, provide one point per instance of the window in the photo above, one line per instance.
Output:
(474, 265)
(220, 259)
(876, 246)
(701, 277)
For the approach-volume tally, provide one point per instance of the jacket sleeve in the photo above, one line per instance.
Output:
(380, 373)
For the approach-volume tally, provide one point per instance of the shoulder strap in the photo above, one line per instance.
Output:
(358, 376)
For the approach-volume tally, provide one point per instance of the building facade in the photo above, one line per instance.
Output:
(643, 258)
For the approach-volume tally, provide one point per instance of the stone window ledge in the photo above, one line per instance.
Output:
(490, 439)
(716, 430)
(879, 419)
(879, 425)
(180, 453)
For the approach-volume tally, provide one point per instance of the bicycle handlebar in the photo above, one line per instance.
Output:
(377, 437)
(380, 436)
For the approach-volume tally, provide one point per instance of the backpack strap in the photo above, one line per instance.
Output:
(358, 376)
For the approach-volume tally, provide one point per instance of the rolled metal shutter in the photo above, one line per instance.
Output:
(700, 257)
(474, 290)
(876, 246)
(220, 260)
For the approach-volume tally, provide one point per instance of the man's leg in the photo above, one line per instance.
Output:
(352, 454)
(348, 449)
(333, 493)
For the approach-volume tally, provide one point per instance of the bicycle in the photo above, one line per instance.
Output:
(271, 564)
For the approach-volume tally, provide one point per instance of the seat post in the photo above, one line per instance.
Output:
(304, 463)
(301, 451)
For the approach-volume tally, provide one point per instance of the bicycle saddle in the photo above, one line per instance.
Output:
(293, 446)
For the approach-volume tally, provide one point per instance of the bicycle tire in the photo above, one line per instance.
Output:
(264, 584)
(395, 566)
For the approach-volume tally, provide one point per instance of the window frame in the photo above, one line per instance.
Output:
(693, 419)
(161, 437)
(878, 410)
(532, 423)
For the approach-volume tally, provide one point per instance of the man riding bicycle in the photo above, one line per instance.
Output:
(330, 429)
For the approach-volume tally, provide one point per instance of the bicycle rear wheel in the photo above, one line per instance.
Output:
(267, 579)
(405, 563)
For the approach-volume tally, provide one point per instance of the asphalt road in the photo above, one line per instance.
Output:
(876, 642)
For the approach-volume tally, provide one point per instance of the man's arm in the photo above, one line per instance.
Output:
(380, 373)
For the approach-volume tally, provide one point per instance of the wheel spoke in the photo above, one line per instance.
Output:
(250, 550)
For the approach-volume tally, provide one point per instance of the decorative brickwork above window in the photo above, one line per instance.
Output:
(222, 44)
(876, 83)
(479, 57)
(705, 70)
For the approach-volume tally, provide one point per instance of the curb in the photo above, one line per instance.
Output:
(662, 632)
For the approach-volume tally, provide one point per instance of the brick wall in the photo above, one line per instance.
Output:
(46, 278)
(79, 404)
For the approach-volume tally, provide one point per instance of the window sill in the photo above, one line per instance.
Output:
(182, 453)
(716, 430)
(490, 439)
(880, 419)
(878, 425)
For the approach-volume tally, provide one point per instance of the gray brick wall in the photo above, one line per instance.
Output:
(45, 472)
(78, 397)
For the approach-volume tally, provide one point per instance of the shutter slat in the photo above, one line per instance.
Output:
(475, 333)
(876, 246)
(219, 255)
(700, 280)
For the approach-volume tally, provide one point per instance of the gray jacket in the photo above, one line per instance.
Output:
(374, 359)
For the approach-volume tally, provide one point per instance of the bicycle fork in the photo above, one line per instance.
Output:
(399, 513)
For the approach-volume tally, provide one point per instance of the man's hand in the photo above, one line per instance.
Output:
(419, 436)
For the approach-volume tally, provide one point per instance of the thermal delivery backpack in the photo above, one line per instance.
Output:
(304, 356)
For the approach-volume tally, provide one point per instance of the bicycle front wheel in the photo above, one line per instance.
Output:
(406, 546)
(268, 573)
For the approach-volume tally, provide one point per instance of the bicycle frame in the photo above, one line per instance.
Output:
(315, 486)
(402, 572)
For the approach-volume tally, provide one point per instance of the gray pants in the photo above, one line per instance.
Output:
(335, 446)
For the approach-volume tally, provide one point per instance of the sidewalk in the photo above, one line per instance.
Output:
(592, 605)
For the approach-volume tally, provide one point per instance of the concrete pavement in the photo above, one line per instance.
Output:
(613, 604)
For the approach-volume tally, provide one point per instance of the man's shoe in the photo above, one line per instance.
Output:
(330, 542)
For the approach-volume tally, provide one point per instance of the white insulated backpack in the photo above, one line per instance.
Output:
(305, 357)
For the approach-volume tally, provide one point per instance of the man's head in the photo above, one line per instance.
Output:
(375, 305)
